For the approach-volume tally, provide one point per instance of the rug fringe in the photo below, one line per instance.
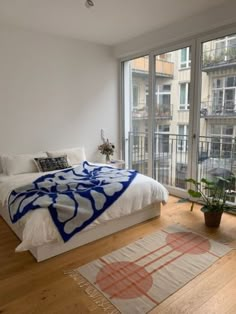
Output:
(92, 292)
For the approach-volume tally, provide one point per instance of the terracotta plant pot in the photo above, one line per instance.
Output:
(212, 219)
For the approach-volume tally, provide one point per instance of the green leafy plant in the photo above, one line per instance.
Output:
(213, 194)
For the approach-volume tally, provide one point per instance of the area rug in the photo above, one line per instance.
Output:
(138, 277)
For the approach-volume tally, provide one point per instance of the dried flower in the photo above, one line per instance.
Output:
(106, 148)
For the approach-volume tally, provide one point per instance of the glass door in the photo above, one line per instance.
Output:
(171, 117)
(137, 114)
(217, 145)
(179, 122)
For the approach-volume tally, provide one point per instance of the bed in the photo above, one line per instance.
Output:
(140, 201)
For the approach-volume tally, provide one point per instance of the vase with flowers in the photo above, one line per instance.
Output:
(107, 149)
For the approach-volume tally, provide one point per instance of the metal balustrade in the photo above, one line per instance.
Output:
(218, 57)
(161, 112)
(216, 157)
(210, 109)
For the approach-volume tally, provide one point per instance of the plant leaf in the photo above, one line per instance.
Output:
(194, 193)
(223, 179)
(203, 180)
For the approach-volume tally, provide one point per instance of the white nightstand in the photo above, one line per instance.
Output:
(116, 163)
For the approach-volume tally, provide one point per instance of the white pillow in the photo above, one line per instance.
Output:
(74, 155)
(17, 164)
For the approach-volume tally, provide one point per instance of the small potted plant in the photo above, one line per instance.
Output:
(107, 149)
(213, 195)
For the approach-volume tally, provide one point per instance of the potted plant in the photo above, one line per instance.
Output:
(213, 195)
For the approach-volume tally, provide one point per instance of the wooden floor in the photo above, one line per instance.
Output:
(30, 287)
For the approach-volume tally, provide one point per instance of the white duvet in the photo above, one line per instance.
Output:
(38, 227)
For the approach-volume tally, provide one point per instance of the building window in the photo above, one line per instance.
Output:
(184, 96)
(135, 96)
(164, 129)
(185, 58)
(224, 95)
(163, 94)
(182, 141)
(163, 139)
(221, 140)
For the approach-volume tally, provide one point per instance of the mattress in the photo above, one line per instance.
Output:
(37, 227)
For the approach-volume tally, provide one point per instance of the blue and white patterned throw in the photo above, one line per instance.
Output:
(75, 197)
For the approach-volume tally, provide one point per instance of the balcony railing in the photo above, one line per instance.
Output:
(164, 68)
(161, 112)
(216, 157)
(139, 113)
(210, 109)
(218, 58)
(170, 156)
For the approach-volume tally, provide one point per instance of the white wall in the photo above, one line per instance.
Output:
(187, 28)
(55, 93)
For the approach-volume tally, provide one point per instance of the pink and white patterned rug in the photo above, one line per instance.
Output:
(138, 277)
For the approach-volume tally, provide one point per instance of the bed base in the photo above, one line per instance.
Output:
(47, 251)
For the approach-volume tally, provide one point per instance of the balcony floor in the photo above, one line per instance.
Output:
(29, 287)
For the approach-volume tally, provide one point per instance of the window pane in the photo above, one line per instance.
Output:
(218, 98)
(164, 88)
(215, 129)
(217, 83)
(181, 129)
(220, 48)
(230, 81)
(136, 97)
(172, 117)
(188, 90)
(184, 55)
(164, 128)
(164, 99)
(182, 94)
(229, 94)
(232, 42)
(228, 130)
(185, 58)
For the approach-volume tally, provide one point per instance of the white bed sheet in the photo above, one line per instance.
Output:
(38, 227)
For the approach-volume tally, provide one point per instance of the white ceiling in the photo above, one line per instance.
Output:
(108, 22)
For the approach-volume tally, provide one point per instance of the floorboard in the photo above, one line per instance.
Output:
(30, 287)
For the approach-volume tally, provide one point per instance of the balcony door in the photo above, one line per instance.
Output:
(137, 114)
(171, 117)
(156, 119)
(217, 132)
(180, 112)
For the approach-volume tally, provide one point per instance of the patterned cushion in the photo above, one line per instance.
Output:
(50, 163)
